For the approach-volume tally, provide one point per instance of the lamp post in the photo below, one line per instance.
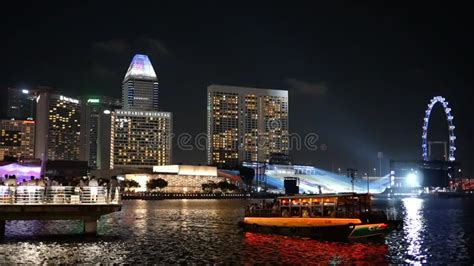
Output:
(380, 156)
(351, 173)
(367, 177)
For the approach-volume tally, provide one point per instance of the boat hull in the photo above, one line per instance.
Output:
(338, 229)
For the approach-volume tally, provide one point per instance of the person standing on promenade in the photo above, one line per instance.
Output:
(31, 184)
(41, 183)
(93, 186)
(113, 187)
(11, 183)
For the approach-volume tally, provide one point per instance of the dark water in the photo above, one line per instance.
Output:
(205, 231)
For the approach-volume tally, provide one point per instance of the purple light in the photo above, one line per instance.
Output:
(22, 172)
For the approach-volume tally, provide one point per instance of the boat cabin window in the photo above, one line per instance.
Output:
(339, 206)
(329, 210)
(305, 212)
(295, 211)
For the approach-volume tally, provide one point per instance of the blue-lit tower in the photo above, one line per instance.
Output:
(140, 85)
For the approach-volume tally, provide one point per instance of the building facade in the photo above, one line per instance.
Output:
(246, 124)
(140, 134)
(17, 139)
(92, 109)
(140, 85)
(180, 178)
(20, 104)
(140, 139)
(58, 129)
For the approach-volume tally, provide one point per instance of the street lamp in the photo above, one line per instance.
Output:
(367, 177)
(351, 173)
(375, 171)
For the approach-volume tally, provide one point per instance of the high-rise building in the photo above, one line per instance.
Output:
(140, 139)
(104, 140)
(140, 85)
(92, 108)
(246, 124)
(20, 104)
(58, 127)
(140, 134)
(17, 139)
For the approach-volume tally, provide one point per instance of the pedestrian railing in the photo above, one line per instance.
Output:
(58, 195)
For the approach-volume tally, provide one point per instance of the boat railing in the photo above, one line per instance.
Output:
(59, 195)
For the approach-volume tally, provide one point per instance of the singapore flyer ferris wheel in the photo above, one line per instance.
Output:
(451, 127)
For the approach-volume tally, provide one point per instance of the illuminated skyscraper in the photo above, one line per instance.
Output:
(58, 127)
(246, 124)
(20, 104)
(93, 127)
(17, 138)
(140, 85)
(140, 139)
(140, 134)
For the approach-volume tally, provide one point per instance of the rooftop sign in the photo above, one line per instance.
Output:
(67, 99)
(93, 100)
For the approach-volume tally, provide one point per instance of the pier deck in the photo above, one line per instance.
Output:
(57, 203)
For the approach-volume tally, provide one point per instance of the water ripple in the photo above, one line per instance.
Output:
(205, 232)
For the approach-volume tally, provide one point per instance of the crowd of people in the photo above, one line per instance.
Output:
(78, 185)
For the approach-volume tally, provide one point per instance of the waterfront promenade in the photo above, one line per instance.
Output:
(57, 203)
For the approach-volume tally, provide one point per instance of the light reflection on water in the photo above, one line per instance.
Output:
(205, 231)
(436, 231)
(414, 227)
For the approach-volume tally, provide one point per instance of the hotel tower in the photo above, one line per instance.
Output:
(140, 133)
(246, 124)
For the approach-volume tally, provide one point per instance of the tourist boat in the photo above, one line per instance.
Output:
(347, 216)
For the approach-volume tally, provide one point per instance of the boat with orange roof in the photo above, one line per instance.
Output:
(342, 216)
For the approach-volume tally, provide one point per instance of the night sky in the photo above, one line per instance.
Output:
(359, 75)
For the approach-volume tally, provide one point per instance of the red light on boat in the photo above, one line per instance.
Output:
(383, 226)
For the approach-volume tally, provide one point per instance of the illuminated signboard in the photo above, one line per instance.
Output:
(93, 100)
(67, 99)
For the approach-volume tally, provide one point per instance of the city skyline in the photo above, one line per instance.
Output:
(361, 96)
(237, 133)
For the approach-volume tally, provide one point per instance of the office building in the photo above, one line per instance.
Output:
(140, 85)
(140, 134)
(140, 139)
(246, 124)
(17, 139)
(19, 104)
(95, 131)
(58, 127)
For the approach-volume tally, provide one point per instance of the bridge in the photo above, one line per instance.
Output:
(57, 203)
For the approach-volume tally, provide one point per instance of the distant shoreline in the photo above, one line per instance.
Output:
(163, 196)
